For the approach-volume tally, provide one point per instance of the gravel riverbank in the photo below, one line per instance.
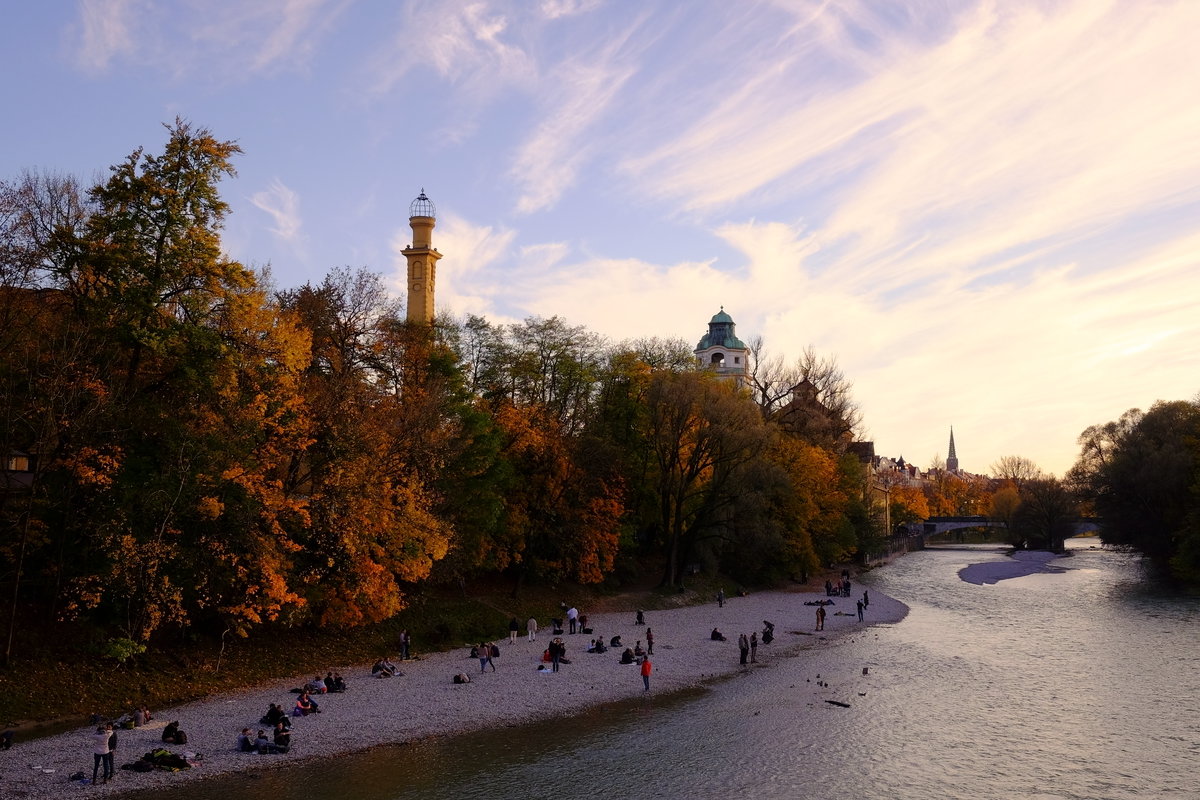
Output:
(425, 702)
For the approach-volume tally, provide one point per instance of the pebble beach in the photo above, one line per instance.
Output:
(424, 701)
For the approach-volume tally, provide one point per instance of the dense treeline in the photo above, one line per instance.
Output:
(1142, 475)
(207, 452)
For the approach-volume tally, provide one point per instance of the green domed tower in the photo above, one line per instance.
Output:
(721, 351)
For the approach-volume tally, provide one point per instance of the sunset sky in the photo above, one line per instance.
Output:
(986, 211)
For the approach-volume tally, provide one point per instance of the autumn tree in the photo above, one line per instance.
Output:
(1017, 470)
(1142, 474)
(703, 431)
(1045, 517)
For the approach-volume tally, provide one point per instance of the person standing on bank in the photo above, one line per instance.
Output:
(531, 626)
(721, 598)
(572, 618)
(649, 642)
(820, 618)
(100, 753)
(860, 610)
(647, 668)
(513, 627)
(744, 647)
(754, 648)
(110, 771)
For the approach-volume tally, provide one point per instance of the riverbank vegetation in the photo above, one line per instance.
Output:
(197, 455)
(1141, 475)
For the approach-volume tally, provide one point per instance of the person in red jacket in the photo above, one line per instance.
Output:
(647, 668)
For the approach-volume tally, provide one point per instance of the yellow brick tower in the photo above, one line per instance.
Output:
(422, 260)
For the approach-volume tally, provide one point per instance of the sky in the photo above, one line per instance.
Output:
(986, 212)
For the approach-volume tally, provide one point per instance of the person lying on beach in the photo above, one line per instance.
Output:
(462, 677)
(717, 636)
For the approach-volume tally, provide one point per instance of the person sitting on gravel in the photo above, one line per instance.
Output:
(615, 641)
(638, 650)
(717, 636)
(282, 737)
(339, 683)
(170, 732)
(384, 668)
(316, 685)
(627, 656)
(306, 705)
(263, 745)
(275, 714)
(244, 743)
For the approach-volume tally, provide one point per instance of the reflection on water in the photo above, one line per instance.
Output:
(1083, 684)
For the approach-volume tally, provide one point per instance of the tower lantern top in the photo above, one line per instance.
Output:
(422, 207)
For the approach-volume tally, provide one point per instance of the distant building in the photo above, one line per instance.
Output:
(721, 351)
(422, 260)
(952, 456)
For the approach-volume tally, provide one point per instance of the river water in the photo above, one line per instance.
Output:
(1079, 684)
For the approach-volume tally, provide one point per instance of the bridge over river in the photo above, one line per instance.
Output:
(936, 525)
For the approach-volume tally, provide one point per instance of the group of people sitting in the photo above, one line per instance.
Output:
(279, 743)
(134, 719)
(633, 655)
(597, 645)
(332, 682)
(384, 668)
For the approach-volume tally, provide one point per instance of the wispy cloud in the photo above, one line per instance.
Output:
(464, 42)
(225, 38)
(283, 206)
(106, 30)
(467, 281)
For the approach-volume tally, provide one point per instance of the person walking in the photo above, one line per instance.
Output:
(649, 642)
(647, 668)
(484, 653)
(100, 753)
(820, 618)
(754, 648)
(860, 610)
(513, 627)
(866, 600)
(531, 626)
(744, 647)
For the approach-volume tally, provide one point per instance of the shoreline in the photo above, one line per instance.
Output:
(424, 702)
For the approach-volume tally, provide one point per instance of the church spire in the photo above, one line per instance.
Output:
(952, 457)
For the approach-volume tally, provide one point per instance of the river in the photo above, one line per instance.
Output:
(1079, 684)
